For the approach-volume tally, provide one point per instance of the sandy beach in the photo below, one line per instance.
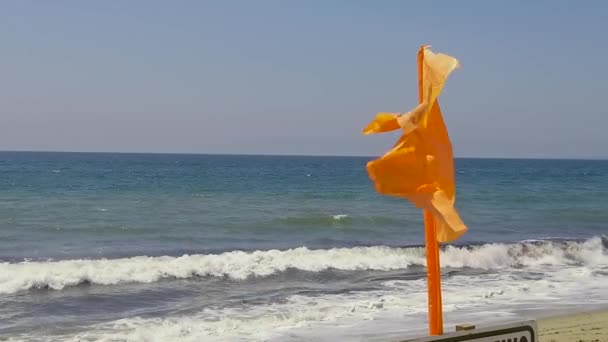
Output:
(581, 327)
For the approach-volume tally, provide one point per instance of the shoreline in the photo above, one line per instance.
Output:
(562, 326)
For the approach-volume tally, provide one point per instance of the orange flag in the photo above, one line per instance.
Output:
(421, 166)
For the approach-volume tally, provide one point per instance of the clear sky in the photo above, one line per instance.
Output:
(299, 77)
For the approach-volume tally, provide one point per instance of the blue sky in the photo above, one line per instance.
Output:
(299, 77)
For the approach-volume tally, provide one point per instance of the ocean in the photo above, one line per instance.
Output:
(170, 247)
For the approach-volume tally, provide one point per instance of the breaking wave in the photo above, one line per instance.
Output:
(57, 275)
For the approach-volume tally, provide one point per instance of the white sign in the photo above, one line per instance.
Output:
(517, 332)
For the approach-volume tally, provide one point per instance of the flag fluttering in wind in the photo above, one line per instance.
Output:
(420, 167)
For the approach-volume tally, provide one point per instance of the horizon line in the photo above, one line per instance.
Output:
(291, 155)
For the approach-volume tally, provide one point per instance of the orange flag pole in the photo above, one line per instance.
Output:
(434, 276)
(420, 167)
(433, 268)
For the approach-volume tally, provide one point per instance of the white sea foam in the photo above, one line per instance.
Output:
(396, 309)
(340, 217)
(57, 275)
(255, 323)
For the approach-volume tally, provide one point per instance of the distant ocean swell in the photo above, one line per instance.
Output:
(57, 275)
(323, 221)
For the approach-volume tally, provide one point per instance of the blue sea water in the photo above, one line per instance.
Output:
(117, 247)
